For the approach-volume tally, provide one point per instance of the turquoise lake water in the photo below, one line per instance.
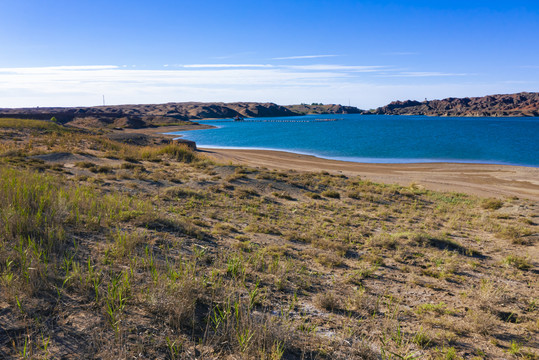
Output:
(382, 138)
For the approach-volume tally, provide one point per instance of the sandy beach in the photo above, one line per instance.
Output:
(477, 179)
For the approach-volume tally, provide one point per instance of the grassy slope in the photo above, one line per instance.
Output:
(114, 250)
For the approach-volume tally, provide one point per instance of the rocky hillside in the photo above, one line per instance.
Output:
(137, 116)
(306, 109)
(521, 104)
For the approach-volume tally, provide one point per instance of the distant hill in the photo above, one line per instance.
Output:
(151, 115)
(521, 104)
(306, 109)
(138, 116)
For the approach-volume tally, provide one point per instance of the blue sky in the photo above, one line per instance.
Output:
(366, 53)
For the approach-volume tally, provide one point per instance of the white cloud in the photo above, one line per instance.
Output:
(423, 74)
(60, 86)
(518, 82)
(53, 69)
(85, 85)
(351, 68)
(303, 57)
(226, 66)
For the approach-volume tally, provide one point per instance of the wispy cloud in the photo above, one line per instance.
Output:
(85, 85)
(518, 82)
(30, 70)
(303, 57)
(351, 68)
(209, 66)
(61, 86)
(420, 74)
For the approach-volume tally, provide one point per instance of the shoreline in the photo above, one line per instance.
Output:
(374, 161)
(486, 180)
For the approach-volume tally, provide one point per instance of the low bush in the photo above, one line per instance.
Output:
(492, 204)
(331, 194)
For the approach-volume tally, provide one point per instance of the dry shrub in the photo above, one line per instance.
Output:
(518, 262)
(355, 348)
(355, 194)
(365, 271)
(161, 222)
(452, 324)
(297, 237)
(245, 193)
(262, 229)
(481, 322)
(176, 301)
(312, 195)
(489, 294)
(363, 303)
(235, 328)
(383, 240)
(328, 300)
(126, 242)
(283, 195)
(339, 247)
(133, 153)
(331, 194)
(180, 192)
(131, 166)
(517, 234)
(492, 204)
(364, 351)
(329, 260)
(179, 152)
(224, 229)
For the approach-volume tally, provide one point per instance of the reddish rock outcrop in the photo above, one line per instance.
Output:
(521, 104)
(306, 109)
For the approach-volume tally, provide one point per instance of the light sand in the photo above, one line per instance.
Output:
(476, 179)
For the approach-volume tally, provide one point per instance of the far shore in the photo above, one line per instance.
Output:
(477, 179)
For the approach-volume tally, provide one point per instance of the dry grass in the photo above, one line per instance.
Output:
(47, 126)
(167, 255)
(492, 204)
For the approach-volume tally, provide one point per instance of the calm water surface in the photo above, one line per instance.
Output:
(383, 139)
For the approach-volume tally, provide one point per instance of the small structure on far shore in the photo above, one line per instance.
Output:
(239, 118)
